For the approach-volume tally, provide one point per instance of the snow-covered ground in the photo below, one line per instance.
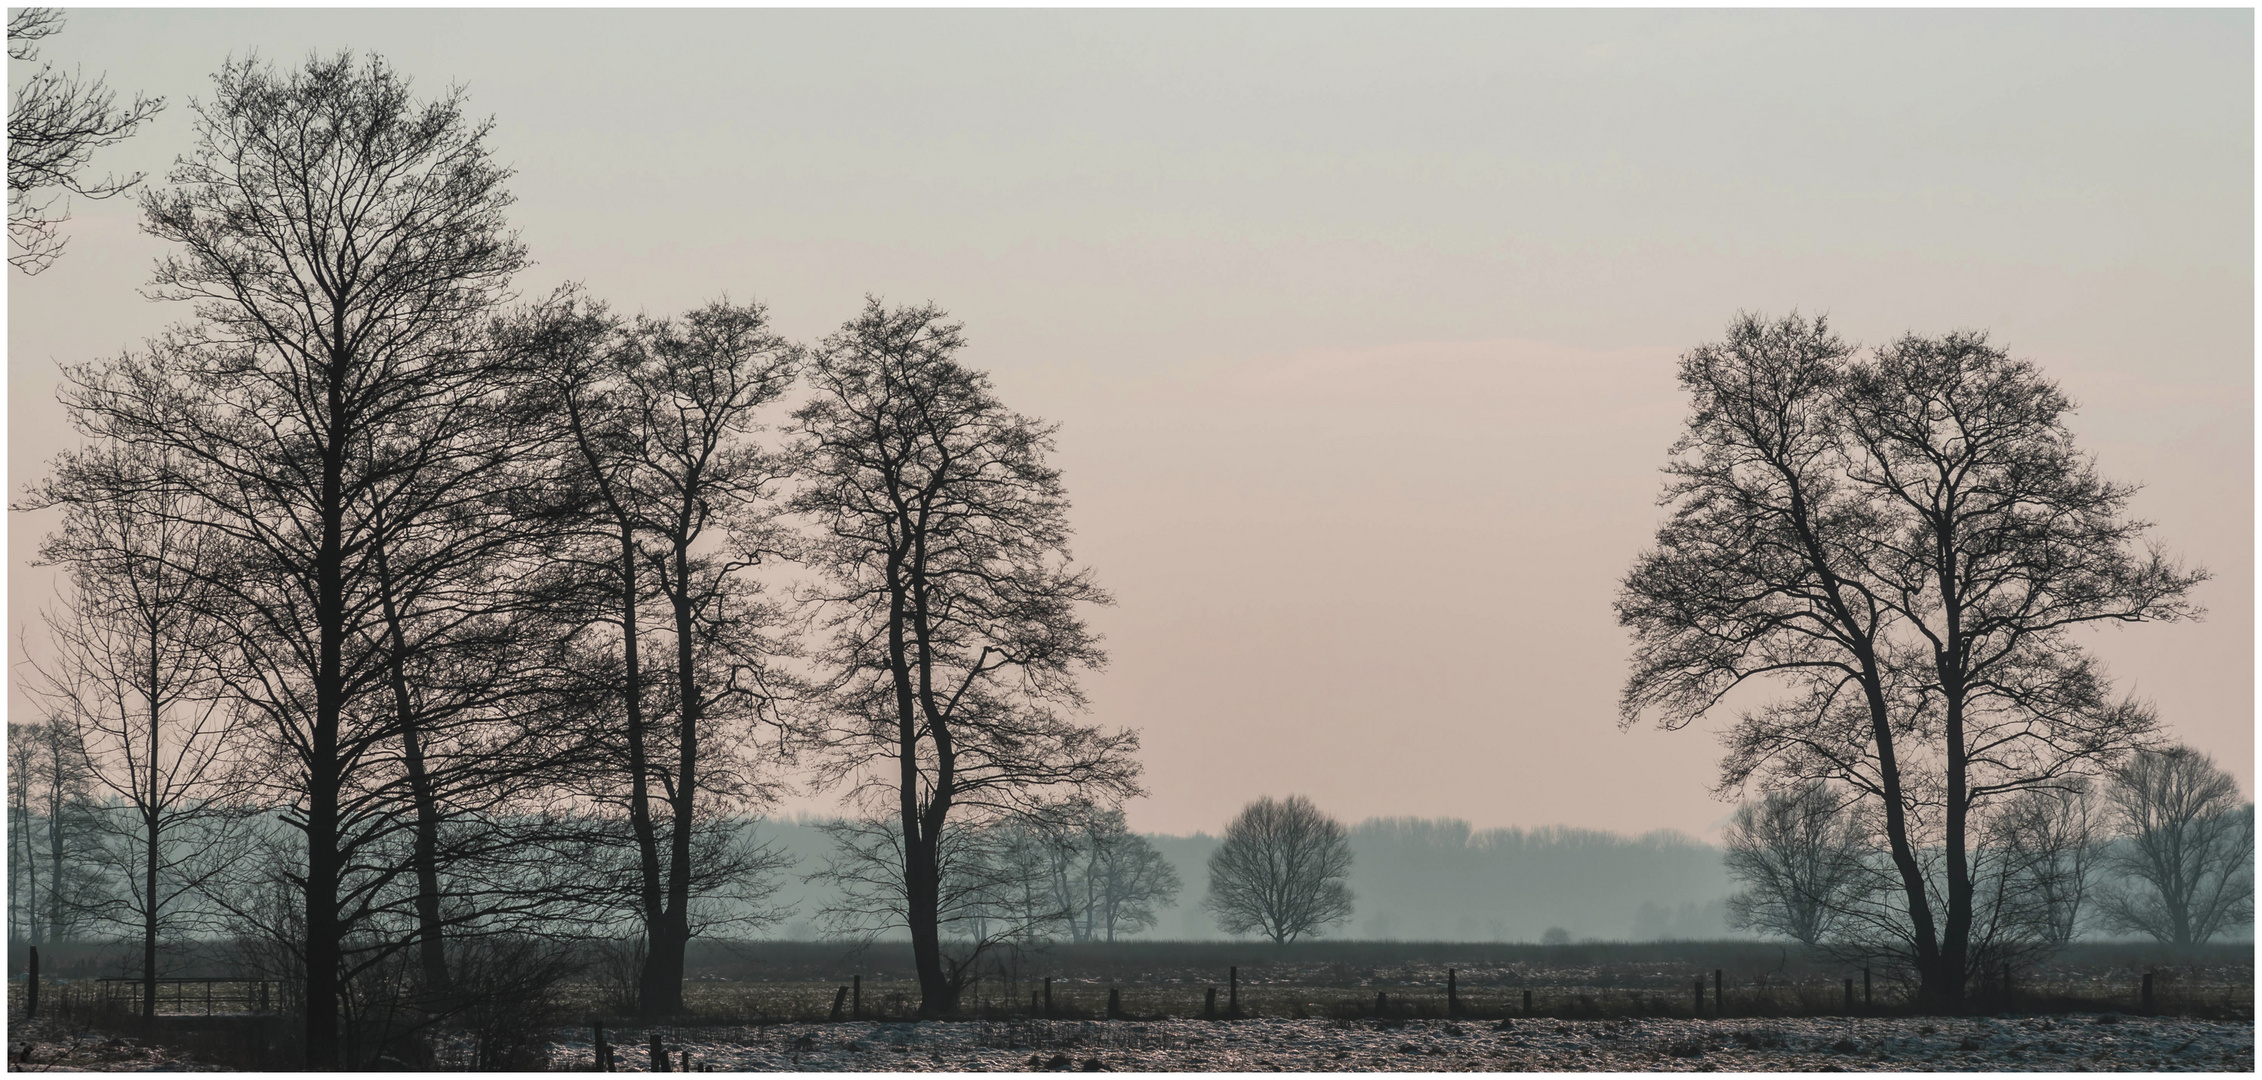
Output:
(2076, 1043)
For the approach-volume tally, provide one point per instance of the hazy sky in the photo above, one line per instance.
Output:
(1360, 326)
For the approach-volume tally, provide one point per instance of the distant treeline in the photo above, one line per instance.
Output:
(1428, 880)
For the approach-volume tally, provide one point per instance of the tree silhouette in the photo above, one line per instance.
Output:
(1907, 545)
(55, 125)
(2188, 842)
(954, 611)
(135, 677)
(340, 243)
(1279, 871)
(1800, 857)
(656, 418)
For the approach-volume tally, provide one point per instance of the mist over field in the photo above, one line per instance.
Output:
(1430, 879)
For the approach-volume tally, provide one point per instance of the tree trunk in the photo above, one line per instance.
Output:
(55, 844)
(923, 890)
(149, 925)
(664, 960)
(151, 811)
(652, 998)
(324, 949)
(424, 856)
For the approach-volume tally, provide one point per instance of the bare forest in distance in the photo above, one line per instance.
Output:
(432, 662)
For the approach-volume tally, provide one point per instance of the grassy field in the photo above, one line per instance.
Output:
(799, 980)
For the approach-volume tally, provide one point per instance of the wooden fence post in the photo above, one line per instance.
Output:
(1209, 1005)
(1719, 992)
(1452, 993)
(659, 1054)
(1381, 1003)
(840, 1001)
(1048, 995)
(1114, 1003)
(1527, 1003)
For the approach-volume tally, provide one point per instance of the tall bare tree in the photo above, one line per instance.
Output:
(2188, 843)
(1907, 545)
(134, 674)
(1800, 856)
(340, 242)
(659, 417)
(55, 124)
(1279, 871)
(955, 611)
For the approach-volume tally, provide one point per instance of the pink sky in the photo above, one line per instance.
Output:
(1360, 325)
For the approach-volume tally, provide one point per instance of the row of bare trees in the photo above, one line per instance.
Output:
(1883, 565)
(402, 622)
(2163, 848)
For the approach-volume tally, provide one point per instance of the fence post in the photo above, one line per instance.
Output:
(1114, 1003)
(1209, 1005)
(856, 988)
(687, 1061)
(31, 986)
(659, 1054)
(1527, 1003)
(1452, 993)
(1381, 1003)
(601, 1051)
(2148, 991)
(840, 1001)
(1719, 992)
(1048, 995)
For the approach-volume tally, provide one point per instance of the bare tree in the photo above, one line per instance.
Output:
(2185, 837)
(1800, 856)
(135, 676)
(954, 608)
(2048, 839)
(658, 418)
(1096, 875)
(56, 828)
(55, 125)
(990, 889)
(1280, 870)
(1125, 878)
(340, 243)
(23, 867)
(1907, 545)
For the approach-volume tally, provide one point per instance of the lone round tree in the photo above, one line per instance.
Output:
(1280, 871)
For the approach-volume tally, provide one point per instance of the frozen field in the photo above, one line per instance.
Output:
(2075, 1043)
